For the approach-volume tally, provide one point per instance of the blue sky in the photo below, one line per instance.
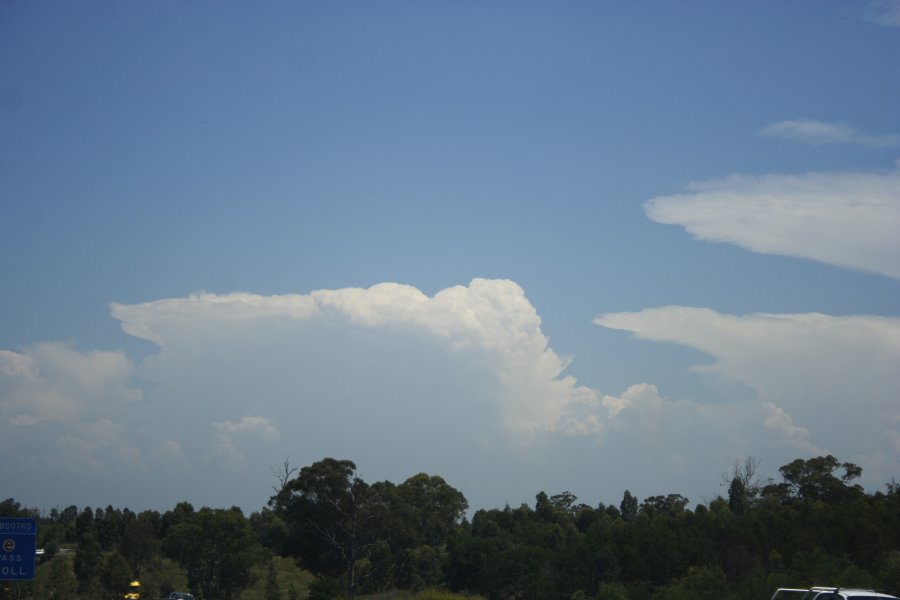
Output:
(524, 246)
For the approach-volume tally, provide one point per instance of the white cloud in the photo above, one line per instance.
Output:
(824, 383)
(884, 12)
(463, 383)
(454, 383)
(457, 383)
(247, 424)
(489, 325)
(655, 444)
(98, 448)
(843, 219)
(55, 382)
(169, 455)
(782, 422)
(227, 431)
(818, 133)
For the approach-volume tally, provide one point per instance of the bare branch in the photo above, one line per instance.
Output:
(746, 473)
(283, 476)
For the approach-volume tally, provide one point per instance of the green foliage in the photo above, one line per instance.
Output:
(115, 574)
(393, 542)
(612, 591)
(437, 594)
(270, 529)
(889, 574)
(163, 576)
(814, 479)
(88, 551)
(217, 549)
(371, 536)
(55, 579)
(671, 504)
(324, 588)
(139, 543)
(700, 583)
(629, 506)
(418, 568)
(431, 508)
(278, 573)
(326, 508)
(272, 589)
(738, 502)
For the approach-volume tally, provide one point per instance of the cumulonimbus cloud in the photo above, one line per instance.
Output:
(386, 373)
(489, 321)
(463, 383)
(818, 133)
(824, 382)
(844, 219)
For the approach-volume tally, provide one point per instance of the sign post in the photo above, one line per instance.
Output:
(17, 548)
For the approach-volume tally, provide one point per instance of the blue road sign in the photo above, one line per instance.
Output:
(17, 545)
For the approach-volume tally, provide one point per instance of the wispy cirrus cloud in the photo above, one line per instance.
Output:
(848, 219)
(818, 133)
(884, 12)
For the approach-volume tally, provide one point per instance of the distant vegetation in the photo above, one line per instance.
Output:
(328, 534)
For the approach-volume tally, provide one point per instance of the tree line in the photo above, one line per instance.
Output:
(815, 526)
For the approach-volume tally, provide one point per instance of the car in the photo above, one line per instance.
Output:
(829, 593)
(180, 596)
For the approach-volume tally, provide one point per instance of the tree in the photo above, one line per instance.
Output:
(324, 588)
(139, 542)
(183, 512)
(115, 574)
(217, 548)
(332, 518)
(563, 501)
(612, 591)
(10, 508)
(671, 504)
(110, 525)
(889, 575)
(272, 591)
(88, 551)
(745, 473)
(814, 479)
(283, 476)
(270, 529)
(700, 583)
(434, 507)
(737, 497)
(61, 582)
(629, 506)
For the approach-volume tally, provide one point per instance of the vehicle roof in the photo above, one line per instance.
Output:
(845, 592)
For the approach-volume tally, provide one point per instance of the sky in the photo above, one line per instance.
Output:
(525, 246)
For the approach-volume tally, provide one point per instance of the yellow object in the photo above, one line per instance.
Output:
(135, 593)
